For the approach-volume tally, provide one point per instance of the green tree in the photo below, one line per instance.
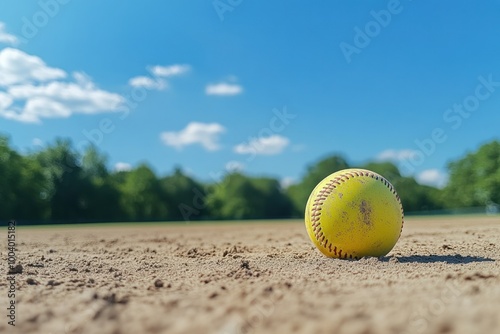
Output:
(141, 195)
(475, 179)
(94, 163)
(274, 201)
(387, 169)
(32, 201)
(235, 197)
(240, 197)
(183, 196)
(10, 179)
(21, 185)
(64, 183)
(417, 197)
(102, 196)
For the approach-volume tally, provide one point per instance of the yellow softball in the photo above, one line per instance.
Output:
(354, 213)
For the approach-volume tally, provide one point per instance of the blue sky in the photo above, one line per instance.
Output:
(266, 87)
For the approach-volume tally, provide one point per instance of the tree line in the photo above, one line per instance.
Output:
(59, 184)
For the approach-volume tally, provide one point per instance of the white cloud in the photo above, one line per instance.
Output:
(205, 134)
(148, 83)
(7, 38)
(83, 80)
(287, 182)
(60, 99)
(39, 107)
(396, 155)
(17, 67)
(432, 177)
(87, 100)
(159, 72)
(5, 100)
(37, 142)
(234, 166)
(271, 145)
(122, 167)
(223, 89)
(169, 71)
(299, 147)
(34, 90)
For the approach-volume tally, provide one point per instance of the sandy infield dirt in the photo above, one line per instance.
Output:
(443, 276)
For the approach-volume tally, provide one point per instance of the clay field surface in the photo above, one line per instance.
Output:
(443, 276)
